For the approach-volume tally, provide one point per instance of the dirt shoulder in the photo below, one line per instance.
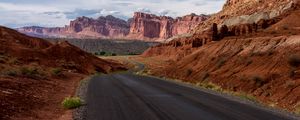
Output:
(31, 99)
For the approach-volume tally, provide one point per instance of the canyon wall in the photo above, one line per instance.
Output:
(83, 27)
(142, 26)
(162, 27)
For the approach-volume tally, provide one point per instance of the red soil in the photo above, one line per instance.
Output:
(29, 89)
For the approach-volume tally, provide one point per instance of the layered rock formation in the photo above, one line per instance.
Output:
(83, 27)
(237, 12)
(142, 26)
(162, 27)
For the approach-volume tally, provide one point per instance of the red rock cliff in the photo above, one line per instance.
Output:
(83, 27)
(150, 26)
(142, 26)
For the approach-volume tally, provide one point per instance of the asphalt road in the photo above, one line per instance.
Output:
(126, 96)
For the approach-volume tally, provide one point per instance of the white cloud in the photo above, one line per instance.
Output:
(16, 13)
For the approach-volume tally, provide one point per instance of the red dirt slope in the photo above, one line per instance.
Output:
(28, 50)
(36, 75)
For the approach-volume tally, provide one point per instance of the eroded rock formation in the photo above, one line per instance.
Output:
(83, 27)
(162, 27)
(142, 26)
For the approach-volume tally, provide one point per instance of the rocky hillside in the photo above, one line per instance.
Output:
(142, 26)
(250, 47)
(237, 12)
(36, 75)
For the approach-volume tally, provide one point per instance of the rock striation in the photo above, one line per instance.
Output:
(236, 12)
(83, 27)
(142, 26)
(162, 27)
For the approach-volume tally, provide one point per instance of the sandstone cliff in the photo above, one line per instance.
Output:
(142, 26)
(150, 26)
(237, 12)
(83, 27)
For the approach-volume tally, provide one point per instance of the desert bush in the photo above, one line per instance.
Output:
(102, 53)
(246, 96)
(221, 62)
(11, 73)
(56, 71)
(188, 72)
(209, 85)
(72, 102)
(113, 54)
(131, 53)
(294, 60)
(29, 71)
(258, 80)
(33, 72)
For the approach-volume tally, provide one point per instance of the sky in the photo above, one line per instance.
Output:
(58, 13)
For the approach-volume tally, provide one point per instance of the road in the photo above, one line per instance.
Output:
(126, 96)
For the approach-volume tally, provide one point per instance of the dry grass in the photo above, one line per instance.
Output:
(72, 102)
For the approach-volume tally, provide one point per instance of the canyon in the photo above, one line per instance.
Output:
(250, 51)
(142, 26)
(245, 48)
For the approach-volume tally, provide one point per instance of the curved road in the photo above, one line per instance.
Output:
(126, 96)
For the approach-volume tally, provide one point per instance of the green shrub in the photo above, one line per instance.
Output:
(102, 53)
(209, 85)
(221, 62)
(247, 96)
(11, 73)
(113, 54)
(131, 53)
(56, 71)
(30, 72)
(71, 102)
(294, 60)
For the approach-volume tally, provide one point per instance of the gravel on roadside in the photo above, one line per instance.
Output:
(81, 112)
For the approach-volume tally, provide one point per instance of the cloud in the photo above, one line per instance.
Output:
(17, 13)
(123, 4)
(82, 12)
